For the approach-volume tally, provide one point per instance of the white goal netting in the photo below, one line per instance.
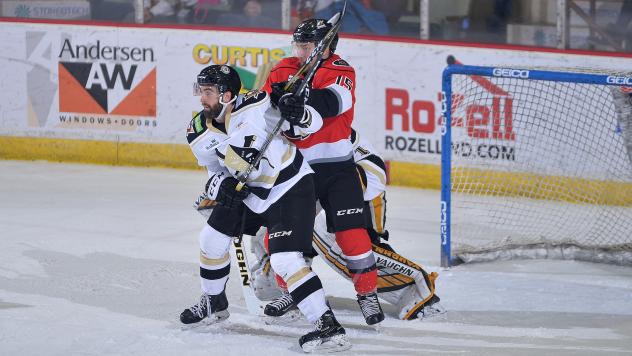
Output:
(540, 169)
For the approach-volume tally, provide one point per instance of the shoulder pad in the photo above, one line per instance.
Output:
(337, 64)
(197, 126)
(340, 63)
(287, 63)
(251, 98)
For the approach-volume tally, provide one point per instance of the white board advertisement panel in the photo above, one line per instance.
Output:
(135, 84)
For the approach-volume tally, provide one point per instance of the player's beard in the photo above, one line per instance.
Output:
(212, 112)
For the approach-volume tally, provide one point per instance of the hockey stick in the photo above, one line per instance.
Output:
(262, 74)
(311, 65)
(253, 304)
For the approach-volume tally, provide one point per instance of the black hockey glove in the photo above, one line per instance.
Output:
(227, 195)
(293, 109)
(277, 92)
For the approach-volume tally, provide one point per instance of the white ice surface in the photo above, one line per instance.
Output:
(99, 260)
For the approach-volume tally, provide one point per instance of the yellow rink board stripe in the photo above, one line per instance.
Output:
(518, 184)
(99, 152)
(408, 174)
(515, 184)
(427, 176)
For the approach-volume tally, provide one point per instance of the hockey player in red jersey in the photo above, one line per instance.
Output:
(330, 154)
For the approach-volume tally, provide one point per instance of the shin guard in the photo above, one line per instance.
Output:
(356, 246)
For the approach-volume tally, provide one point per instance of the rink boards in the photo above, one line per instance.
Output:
(123, 96)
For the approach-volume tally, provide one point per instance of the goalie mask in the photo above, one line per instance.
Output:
(314, 30)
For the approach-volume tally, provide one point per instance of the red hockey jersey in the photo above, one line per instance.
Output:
(330, 143)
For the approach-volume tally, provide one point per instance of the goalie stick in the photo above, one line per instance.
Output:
(253, 304)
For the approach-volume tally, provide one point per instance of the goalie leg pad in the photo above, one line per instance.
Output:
(280, 282)
(400, 281)
(303, 284)
(266, 283)
(404, 283)
(263, 281)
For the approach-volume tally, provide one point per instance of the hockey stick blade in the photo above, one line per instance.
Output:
(253, 304)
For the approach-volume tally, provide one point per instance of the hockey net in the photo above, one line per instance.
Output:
(538, 168)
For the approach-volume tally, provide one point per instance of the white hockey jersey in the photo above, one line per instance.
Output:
(229, 150)
(367, 158)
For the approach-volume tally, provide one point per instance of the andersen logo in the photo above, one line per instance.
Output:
(102, 79)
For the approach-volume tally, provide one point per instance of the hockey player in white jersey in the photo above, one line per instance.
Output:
(401, 282)
(279, 194)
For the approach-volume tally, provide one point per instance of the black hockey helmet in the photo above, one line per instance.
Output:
(314, 30)
(222, 76)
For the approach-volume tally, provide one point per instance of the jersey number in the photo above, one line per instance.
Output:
(344, 82)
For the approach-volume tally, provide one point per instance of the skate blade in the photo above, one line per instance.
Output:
(288, 318)
(217, 317)
(376, 327)
(335, 343)
(211, 320)
(433, 312)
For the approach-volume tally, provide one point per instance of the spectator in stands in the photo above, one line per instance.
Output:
(620, 28)
(487, 20)
(625, 16)
(360, 17)
(161, 10)
(112, 10)
(392, 9)
(208, 11)
(501, 12)
(305, 9)
(249, 16)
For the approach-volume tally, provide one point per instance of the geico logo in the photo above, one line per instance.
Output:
(512, 73)
(619, 80)
(280, 234)
(349, 211)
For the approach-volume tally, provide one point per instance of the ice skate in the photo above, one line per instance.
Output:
(282, 310)
(431, 309)
(371, 309)
(329, 336)
(217, 304)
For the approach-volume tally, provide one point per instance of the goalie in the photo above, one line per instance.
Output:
(401, 282)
